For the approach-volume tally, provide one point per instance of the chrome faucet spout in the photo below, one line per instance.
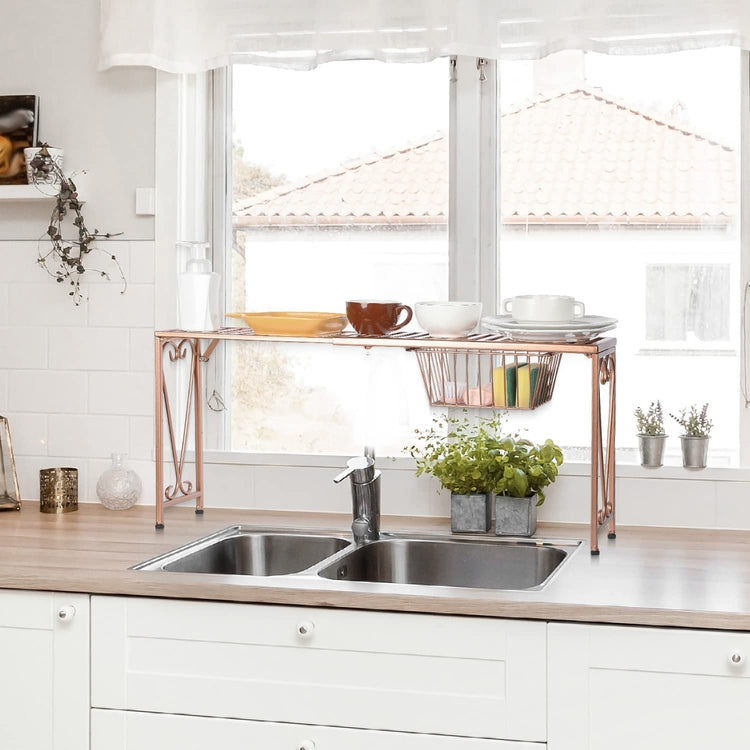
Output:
(365, 486)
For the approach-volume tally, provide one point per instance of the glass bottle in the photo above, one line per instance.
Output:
(119, 487)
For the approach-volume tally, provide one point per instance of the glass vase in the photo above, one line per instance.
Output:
(119, 487)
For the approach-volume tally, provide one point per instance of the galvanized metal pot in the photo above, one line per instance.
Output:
(694, 452)
(515, 516)
(652, 450)
(471, 513)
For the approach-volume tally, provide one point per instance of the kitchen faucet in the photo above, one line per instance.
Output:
(365, 496)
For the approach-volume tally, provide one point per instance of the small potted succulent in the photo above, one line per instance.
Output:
(696, 431)
(651, 435)
(523, 470)
(462, 455)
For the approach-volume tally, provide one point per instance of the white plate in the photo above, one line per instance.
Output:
(584, 323)
(551, 337)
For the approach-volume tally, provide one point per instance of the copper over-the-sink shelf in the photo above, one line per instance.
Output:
(177, 344)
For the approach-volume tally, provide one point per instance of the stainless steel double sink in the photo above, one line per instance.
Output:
(474, 562)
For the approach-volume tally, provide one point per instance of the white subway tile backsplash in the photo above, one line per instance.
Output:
(141, 350)
(28, 433)
(142, 262)
(100, 261)
(47, 391)
(141, 438)
(130, 394)
(134, 309)
(295, 488)
(3, 392)
(3, 304)
(89, 349)
(677, 502)
(20, 262)
(44, 304)
(733, 506)
(23, 347)
(87, 436)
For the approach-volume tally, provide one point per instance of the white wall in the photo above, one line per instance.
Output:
(76, 383)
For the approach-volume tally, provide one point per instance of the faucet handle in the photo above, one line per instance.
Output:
(361, 467)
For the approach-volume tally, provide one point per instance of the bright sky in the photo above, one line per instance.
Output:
(300, 123)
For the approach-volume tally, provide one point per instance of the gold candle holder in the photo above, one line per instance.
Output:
(58, 490)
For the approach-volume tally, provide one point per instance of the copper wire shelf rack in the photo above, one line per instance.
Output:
(471, 369)
(488, 379)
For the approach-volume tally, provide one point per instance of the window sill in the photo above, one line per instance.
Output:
(572, 469)
(669, 351)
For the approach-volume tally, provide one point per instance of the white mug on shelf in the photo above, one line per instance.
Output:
(543, 308)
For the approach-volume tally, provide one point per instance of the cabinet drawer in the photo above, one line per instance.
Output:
(689, 689)
(474, 677)
(129, 730)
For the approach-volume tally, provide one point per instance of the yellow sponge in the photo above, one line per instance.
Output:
(527, 377)
(504, 386)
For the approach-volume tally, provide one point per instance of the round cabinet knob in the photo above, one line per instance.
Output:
(66, 613)
(307, 745)
(736, 658)
(305, 630)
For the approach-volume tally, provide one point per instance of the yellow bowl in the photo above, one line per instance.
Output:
(293, 323)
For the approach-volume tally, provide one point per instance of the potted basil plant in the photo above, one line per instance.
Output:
(696, 431)
(524, 469)
(461, 454)
(651, 435)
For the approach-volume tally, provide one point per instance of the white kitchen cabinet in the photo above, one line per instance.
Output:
(619, 688)
(438, 675)
(133, 730)
(44, 671)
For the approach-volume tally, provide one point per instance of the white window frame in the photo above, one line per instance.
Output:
(473, 226)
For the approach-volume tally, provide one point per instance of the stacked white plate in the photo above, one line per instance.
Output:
(576, 331)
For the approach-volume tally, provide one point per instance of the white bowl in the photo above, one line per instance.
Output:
(449, 320)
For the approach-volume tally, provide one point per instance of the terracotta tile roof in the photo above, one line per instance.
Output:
(577, 157)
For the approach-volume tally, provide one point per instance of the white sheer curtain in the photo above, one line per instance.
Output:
(188, 36)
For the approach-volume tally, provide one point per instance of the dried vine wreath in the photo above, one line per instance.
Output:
(66, 259)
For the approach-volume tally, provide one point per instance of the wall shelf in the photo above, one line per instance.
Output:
(189, 346)
(23, 193)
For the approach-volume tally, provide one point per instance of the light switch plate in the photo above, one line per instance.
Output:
(145, 201)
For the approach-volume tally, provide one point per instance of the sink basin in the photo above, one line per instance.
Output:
(238, 551)
(452, 562)
(420, 561)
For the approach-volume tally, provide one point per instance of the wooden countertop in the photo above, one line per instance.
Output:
(647, 576)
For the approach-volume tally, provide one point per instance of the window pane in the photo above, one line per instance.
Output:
(619, 181)
(340, 191)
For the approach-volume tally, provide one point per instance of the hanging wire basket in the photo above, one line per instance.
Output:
(488, 379)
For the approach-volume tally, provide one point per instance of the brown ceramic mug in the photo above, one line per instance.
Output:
(375, 318)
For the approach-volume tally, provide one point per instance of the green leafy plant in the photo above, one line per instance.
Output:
(650, 422)
(66, 260)
(694, 423)
(525, 468)
(459, 453)
(472, 457)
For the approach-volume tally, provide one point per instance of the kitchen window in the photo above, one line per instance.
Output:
(339, 191)
(614, 179)
(620, 185)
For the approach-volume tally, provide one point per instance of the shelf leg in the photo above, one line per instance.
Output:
(596, 446)
(611, 452)
(159, 436)
(197, 376)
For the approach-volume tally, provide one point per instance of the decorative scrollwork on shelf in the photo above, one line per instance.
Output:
(177, 348)
(606, 368)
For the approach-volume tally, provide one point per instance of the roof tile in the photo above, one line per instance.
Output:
(574, 157)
